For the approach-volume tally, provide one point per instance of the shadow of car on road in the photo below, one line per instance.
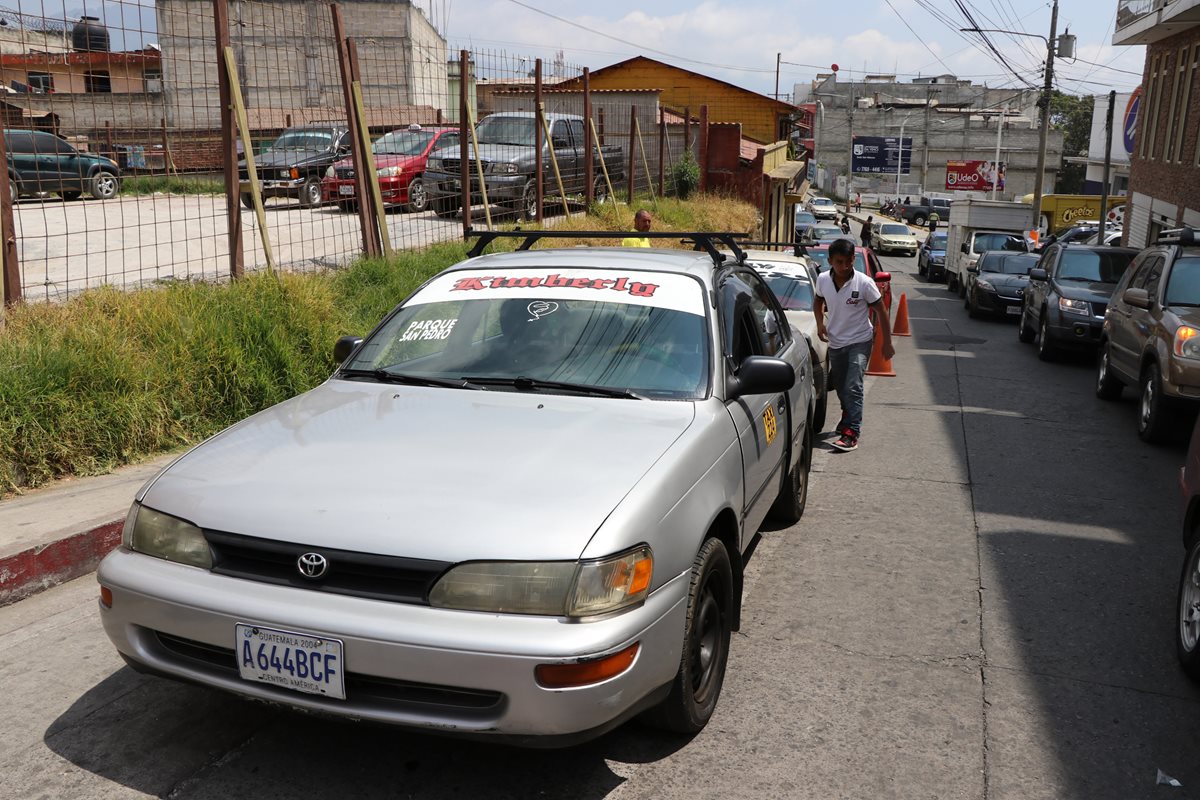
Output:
(164, 738)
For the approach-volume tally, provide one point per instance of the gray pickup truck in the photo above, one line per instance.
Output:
(506, 148)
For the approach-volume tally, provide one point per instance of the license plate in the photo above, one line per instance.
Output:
(346, 189)
(298, 661)
(1012, 311)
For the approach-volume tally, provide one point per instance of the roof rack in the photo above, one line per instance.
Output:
(1184, 237)
(701, 240)
(798, 249)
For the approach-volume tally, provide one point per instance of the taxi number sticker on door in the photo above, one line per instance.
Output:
(770, 428)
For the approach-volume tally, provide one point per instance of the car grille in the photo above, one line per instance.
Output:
(1098, 309)
(392, 578)
(451, 164)
(359, 688)
(344, 173)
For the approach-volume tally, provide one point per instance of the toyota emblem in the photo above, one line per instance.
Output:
(312, 565)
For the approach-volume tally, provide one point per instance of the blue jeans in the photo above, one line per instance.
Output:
(847, 366)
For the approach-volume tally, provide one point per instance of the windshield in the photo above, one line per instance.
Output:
(506, 130)
(822, 259)
(402, 143)
(804, 216)
(793, 292)
(641, 332)
(1016, 264)
(894, 230)
(303, 140)
(1094, 266)
(999, 241)
(821, 231)
(938, 242)
(1183, 287)
(822, 201)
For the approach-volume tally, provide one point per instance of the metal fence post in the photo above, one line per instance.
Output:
(464, 156)
(687, 129)
(370, 176)
(8, 238)
(539, 165)
(362, 161)
(168, 162)
(229, 156)
(662, 154)
(703, 148)
(631, 172)
(589, 165)
(600, 132)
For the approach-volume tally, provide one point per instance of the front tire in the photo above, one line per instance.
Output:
(1187, 628)
(310, 193)
(697, 684)
(248, 200)
(919, 220)
(103, 185)
(599, 191)
(1025, 334)
(418, 198)
(793, 496)
(1154, 413)
(529, 204)
(1107, 385)
(1046, 350)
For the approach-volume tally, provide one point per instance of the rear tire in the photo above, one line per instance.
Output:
(445, 208)
(1107, 386)
(697, 684)
(1187, 627)
(70, 196)
(248, 200)
(919, 220)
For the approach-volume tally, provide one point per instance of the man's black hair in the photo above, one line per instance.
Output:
(841, 247)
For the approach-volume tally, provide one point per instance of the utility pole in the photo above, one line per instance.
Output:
(1108, 125)
(1047, 87)
(929, 93)
(778, 56)
(850, 154)
(996, 163)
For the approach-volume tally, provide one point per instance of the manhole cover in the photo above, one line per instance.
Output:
(952, 339)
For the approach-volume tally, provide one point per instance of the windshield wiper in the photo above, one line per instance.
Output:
(524, 384)
(386, 376)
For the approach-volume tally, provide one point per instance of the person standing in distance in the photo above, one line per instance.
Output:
(865, 234)
(641, 223)
(850, 297)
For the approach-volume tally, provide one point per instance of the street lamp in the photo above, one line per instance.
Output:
(900, 150)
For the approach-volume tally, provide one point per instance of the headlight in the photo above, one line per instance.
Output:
(1081, 307)
(329, 173)
(434, 164)
(502, 168)
(391, 172)
(551, 588)
(1187, 342)
(938, 259)
(156, 534)
(985, 285)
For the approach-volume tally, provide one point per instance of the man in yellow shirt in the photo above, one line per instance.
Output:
(641, 222)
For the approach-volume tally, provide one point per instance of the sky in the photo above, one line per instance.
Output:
(737, 40)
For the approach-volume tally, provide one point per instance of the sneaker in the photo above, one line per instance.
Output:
(847, 442)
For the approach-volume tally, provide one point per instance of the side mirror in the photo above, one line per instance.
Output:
(1137, 297)
(344, 347)
(1038, 274)
(883, 277)
(973, 269)
(761, 375)
(964, 248)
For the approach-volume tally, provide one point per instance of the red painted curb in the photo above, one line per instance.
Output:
(39, 568)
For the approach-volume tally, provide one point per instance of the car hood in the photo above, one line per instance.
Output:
(408, 162)
(287, 158)
(806, 323)
(1094, 292)
(488, 152)
(1005, 280)
(442, 474)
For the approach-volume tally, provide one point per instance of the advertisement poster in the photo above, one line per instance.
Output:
(974, 175)
(879, 154)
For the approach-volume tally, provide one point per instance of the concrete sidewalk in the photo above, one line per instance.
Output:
(61, 531)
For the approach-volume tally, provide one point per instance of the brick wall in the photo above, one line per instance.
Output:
(1165, 192)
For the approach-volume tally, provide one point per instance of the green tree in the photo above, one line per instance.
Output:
(1073, 116)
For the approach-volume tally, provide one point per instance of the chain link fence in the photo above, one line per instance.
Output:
(200, 139)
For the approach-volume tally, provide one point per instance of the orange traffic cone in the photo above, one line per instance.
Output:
(901, 327)
(878, 365)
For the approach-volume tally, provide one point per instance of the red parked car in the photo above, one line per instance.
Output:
(865, 261)
(400, 161)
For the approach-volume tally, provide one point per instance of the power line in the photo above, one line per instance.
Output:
(919, 39)
(1106, 66)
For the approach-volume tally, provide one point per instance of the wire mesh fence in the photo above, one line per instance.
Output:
(199, 139)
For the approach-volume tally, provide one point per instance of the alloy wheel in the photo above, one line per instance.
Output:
(1189, 603)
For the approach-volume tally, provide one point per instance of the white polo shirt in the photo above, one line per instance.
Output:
(849, 319)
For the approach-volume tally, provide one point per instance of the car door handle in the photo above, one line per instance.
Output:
(782, 405)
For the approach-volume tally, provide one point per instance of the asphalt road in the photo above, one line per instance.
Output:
(978, 603)
(65, 247)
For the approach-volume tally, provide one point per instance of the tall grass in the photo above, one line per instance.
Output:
(110, 377)
(171, 184)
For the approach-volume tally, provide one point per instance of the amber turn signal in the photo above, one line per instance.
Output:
(106, 597)
(582, 673)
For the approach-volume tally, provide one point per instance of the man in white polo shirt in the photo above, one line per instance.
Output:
(849, 296)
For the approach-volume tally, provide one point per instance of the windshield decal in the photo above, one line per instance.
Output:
(656, 289)
(427, 330)
(540, 308)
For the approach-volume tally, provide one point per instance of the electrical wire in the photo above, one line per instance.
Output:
(919, 39)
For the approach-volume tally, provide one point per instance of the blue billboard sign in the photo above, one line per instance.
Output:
(879, 154)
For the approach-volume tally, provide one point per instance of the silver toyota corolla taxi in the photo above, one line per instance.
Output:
(518, 509)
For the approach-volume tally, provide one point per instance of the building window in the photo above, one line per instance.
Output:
(97, 82)
(152, 79)
(1161, 76)
(41, 82)
(1173, 109)
(1143, 149)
